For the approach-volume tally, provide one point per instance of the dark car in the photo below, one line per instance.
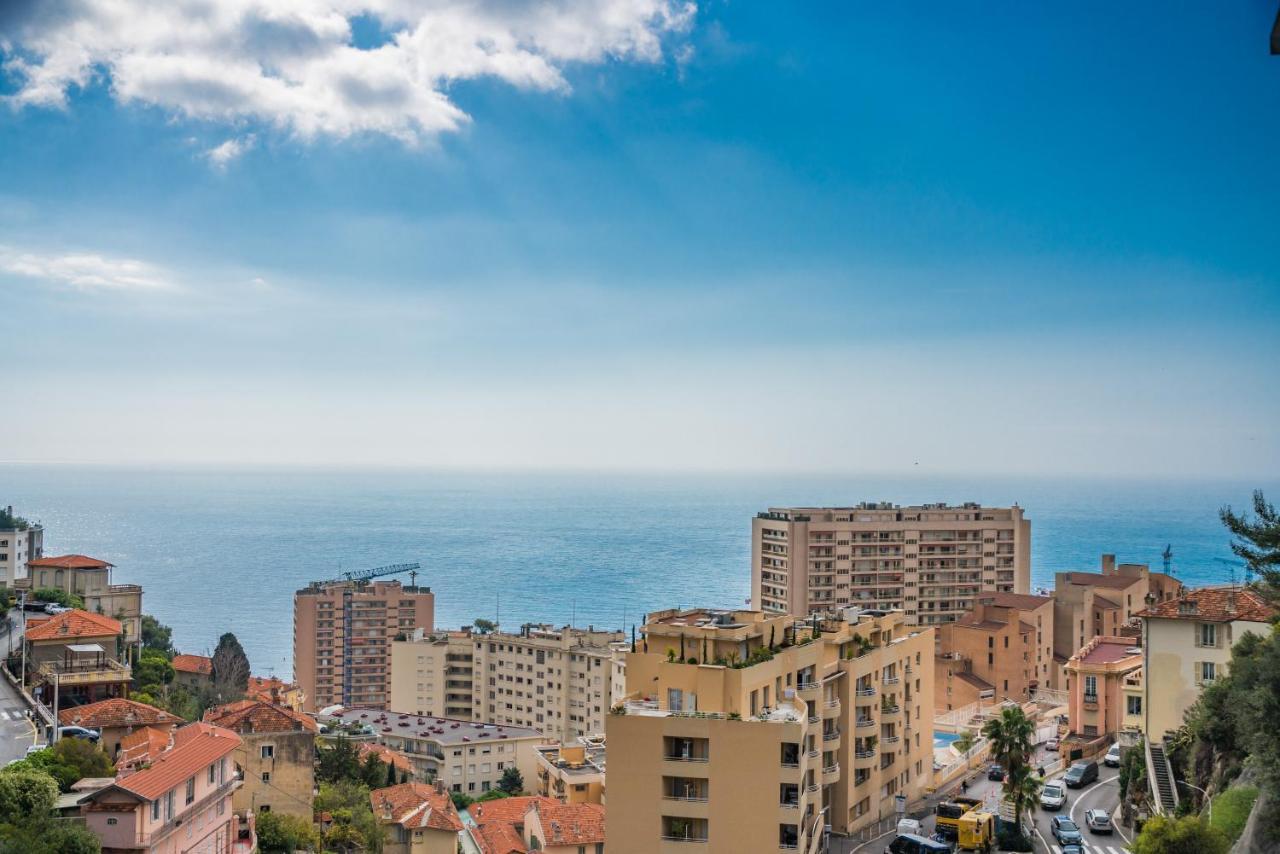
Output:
(1073, 849)
(995, 771)
(1081, 774)
(1066, 831)
(79, 732)
(910, 843)
(1098, 821)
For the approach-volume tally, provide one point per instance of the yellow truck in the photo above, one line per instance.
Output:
(976, 831)
(947, 815)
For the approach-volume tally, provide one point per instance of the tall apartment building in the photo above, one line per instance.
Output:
(554, 680)
(931, 561)
(1002, 649)
(342, 635)
(1087, 605)
(20, 541)
(747, 731)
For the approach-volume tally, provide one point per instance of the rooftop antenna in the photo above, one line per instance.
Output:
(413, 578)
(1167, 557)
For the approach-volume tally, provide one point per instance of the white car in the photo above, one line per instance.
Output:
(36, 748)
(1112, 759)
(53, 608)
(1053, 796)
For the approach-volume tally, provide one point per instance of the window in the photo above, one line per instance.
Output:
(168, 804)
(155, 810)
(1208, 635)
(265, 808)
(1134, 705)
(268, 751)
(111, 821)
(1207, 671)
(266, 776)
(213, 774)
(191, 790)
(1091, 688)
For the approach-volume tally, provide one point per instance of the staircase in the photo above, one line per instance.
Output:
(1163, 790)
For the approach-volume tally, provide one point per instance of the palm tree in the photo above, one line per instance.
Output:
(1022, 791)
(1011, 736)
(964, 744)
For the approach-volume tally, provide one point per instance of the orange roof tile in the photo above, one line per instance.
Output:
(73, 624)
(1214, 605)
(199, 664)
(70, 562)
(142, 746)
(261, 687)
(247, 716)
(509, 810)
(117, 712)
(571, 824)
(195, 747)
(416, 805)
(385, 755)
(497, 837)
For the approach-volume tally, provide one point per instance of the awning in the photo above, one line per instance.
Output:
(85, 647)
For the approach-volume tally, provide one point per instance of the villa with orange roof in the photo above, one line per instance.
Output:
(1095, 688)
(276, 756)
(387, 756)
(192, 671)
(273, 689)
(419, 818)
(180, 804)
(90, 579)
(525, 824)
(116, 719)
(81, 652)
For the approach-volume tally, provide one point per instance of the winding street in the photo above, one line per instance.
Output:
(1103, 794)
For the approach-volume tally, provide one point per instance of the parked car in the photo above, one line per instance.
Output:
(1097, 821)
(36, 748)
(909, 826)
(910, 843)
(1073, 849)
(1051, 745)
(995, 771)
(1081, 774)
(1066, 831)
(1113, 756)
(79, 732)
(1053, 796)
(54, 609)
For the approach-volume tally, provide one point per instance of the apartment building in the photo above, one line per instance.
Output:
(466, 756)
(20, 541)
(90, 579)
(181, 803)
(342, 635)
(1002, 649)
(750, 731)
(555, 680)
(1095, 678)
(572, 773)
(276, 755)
(930, 561)
(1096, 604)
(419, 818)
(1186, 644)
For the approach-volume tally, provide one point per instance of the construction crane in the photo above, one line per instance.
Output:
(1167, 557)
(377, 572)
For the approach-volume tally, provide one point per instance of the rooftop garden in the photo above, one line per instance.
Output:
(10, 522)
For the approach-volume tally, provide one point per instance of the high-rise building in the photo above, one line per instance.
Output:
(342, 635)
(748, 731)
(20, 541)
(930, 561)
(554, 680)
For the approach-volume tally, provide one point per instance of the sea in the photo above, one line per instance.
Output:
(224, 550)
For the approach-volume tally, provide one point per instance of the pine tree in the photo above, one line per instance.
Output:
(1258, 541)
(230, 668)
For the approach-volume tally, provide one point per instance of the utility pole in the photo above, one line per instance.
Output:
(54, 740)
(22, 639)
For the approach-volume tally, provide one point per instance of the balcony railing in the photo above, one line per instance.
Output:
(865, 722)
(831, 736)
(701, 839)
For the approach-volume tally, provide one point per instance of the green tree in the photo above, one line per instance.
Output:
(153, 668)
(353, 821)
(1010, 734)
(87, 758)
(1022, 791)
(339, 762)
(61, 597)
(483, 626)
(46, 836)
(511, 782)
(964, 743)
(373, 772)
(287, 833)
(230, 668)
(461, 800)
(157, 636)
(1186, 835)
(391, 774)
(492, 795)
(1258, 541)
(26, 793)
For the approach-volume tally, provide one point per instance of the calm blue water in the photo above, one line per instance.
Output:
(219, 551)
(943, 739)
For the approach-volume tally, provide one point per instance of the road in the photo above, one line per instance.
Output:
(1103, 794)
(16, 731)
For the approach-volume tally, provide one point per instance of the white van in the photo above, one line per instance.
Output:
(1112, 759)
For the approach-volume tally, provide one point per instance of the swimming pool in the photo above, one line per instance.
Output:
(943, 739)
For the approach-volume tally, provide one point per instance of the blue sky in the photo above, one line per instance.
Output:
(958, 238)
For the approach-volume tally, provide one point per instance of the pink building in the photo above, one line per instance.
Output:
(180, 804)
(1095, 686)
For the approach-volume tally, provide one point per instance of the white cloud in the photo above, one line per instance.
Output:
(85, 271)
(292, 64)
(221, 155)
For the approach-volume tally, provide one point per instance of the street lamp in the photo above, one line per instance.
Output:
(1203, 792)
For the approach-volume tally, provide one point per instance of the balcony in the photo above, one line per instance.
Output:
(865, 722)
(831, 735)
(890, 740)
(831, 709)
(831, 774)
(85, 672)
(864, 759)
(892, 680)
(866, 690)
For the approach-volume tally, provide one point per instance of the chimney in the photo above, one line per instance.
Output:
(1108, 564)
(439, 786)
(386, 810)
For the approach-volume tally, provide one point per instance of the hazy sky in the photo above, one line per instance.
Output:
(642, 234)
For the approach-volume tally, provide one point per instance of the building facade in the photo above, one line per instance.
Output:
(931, 561)
(90, 579)
(276, 756)
(572, 773)
(77, 655)
(342, 636)
(1002, 649)
(1095, 678)
(116, 719)
(554, 680)
(747, 731)
(419, 819)
(1096, 604)
(1186, 644)
(20, 542)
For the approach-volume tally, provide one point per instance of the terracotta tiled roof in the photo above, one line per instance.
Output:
(117, 712)
(142, 746)
(73, 624)
(571, 824)
(195, 747)
(416, 805)
(260, 687)
(509, 810)
(198, 664)
(385, 755)
(70, 562)
(1214, 605)
(499, 837)
(1021, 601)
(248, 716)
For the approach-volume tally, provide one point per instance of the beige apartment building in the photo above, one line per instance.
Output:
(930, 561)
(1095, 678)
(342, 636)
(20, 541)
(572, 773)
(90, 579)
(747, 731)
(1002, 649)
(555, 680)
(1097, 604)
(276, 756)
(1186, 644)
